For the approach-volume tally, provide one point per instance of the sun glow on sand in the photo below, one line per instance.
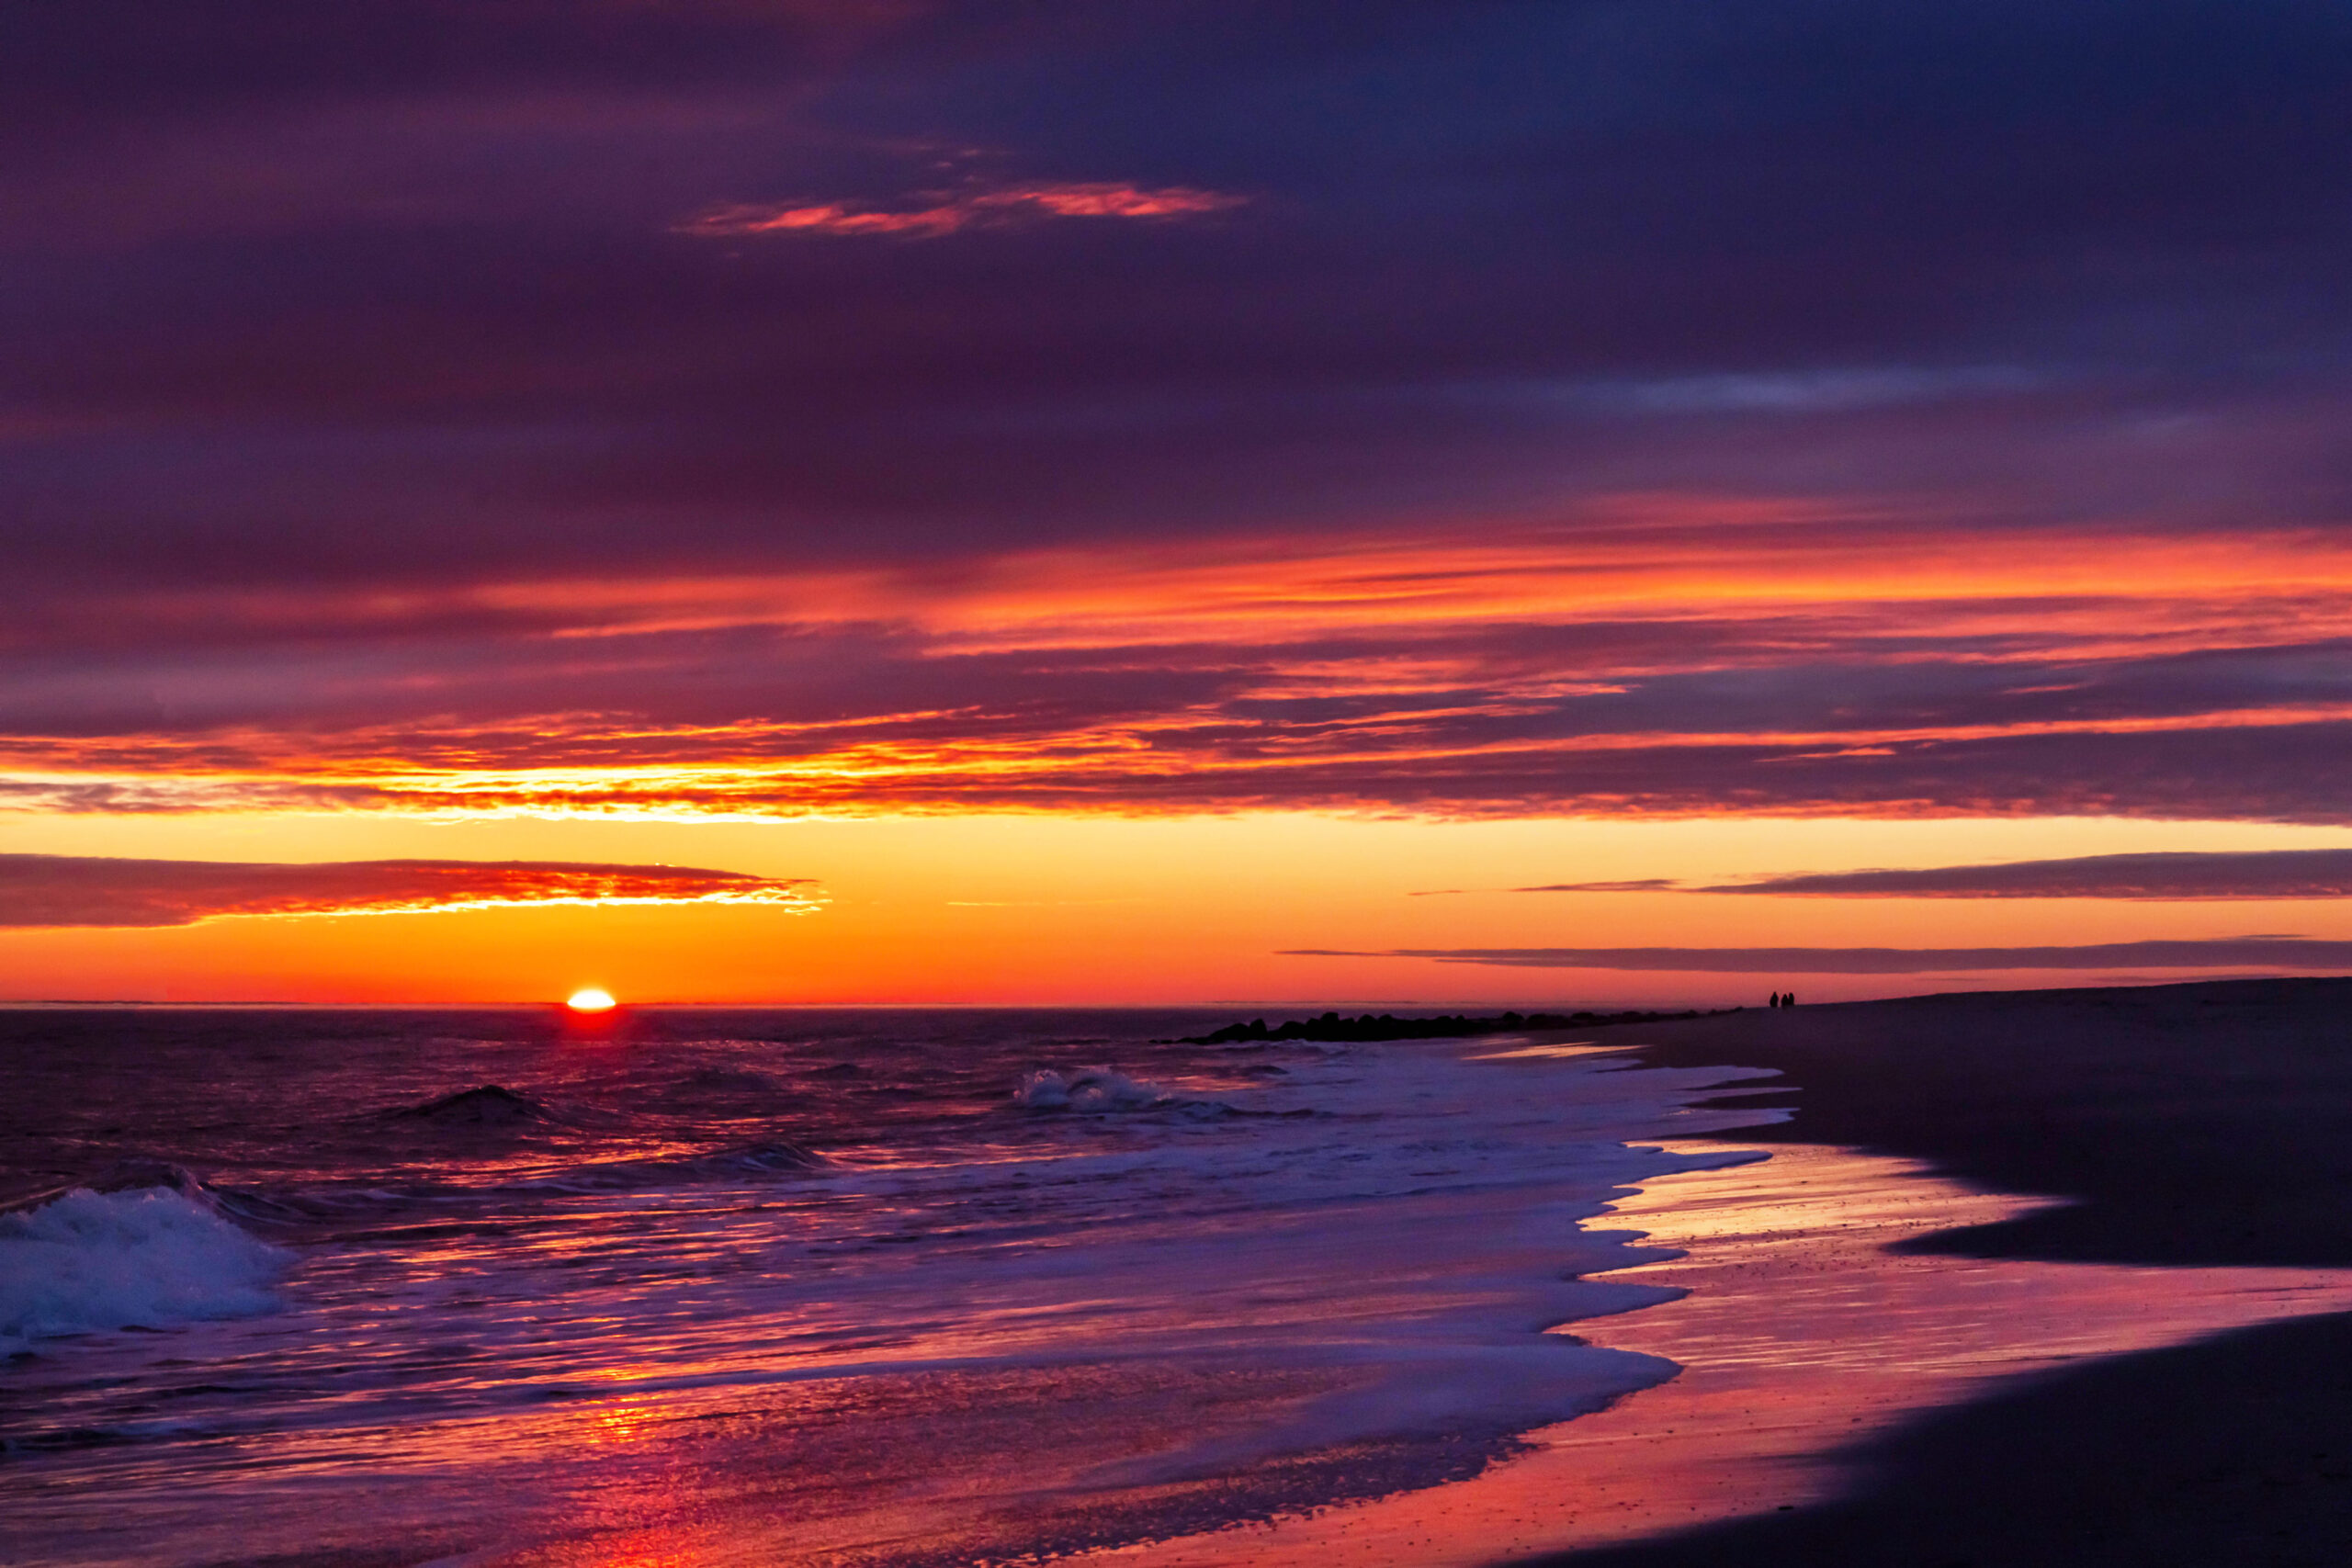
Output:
(590, 1000)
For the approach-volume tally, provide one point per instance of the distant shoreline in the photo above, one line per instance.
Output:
(1441, 1026)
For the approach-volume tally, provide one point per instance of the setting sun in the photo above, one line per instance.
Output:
(590, 1000)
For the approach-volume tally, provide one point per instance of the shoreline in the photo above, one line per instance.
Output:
(2142, 1194)
(1805, 1336)
(2198, 1125)
(2185, 1129)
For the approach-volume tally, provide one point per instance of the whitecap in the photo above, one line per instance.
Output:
(145, 1258)
(1085, 1089)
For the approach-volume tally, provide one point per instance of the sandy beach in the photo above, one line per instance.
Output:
(2189, 1130)
(2194, 1124)
(2194, 1133)
(2033, 1277)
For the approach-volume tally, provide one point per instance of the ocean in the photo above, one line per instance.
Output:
(346, 1287)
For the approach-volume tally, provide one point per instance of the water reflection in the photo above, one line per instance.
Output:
(1801, 1335)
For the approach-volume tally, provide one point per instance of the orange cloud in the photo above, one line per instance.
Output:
(946, 213)
(1674, 657)
(82, 890)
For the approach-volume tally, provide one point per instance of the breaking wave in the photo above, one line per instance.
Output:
(1085, 1089)
(139, 1257)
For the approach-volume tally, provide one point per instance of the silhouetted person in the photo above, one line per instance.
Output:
(1789, 1000)
(1775, 1002)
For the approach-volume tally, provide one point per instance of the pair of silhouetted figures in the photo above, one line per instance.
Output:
(1784, 999)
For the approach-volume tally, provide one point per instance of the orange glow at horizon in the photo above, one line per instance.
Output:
(591, 999)
(1096, 911)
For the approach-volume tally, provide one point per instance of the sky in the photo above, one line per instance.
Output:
(1168, 500)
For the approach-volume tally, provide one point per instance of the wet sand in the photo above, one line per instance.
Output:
(1805, 1339)
(1893, 1354)
(2186, 1127)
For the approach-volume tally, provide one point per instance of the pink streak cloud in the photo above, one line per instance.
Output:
(947, 214)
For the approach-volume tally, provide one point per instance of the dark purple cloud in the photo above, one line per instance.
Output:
(334, 334)
(2176, 875)
(399, 289)
(1639, 885)
(1827, 674)
(2163, 875)
(86, 890)
(2219, 953)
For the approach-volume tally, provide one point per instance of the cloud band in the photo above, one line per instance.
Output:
(2222, 953)
(78, 890)
(2178, 875)
(2163, 875)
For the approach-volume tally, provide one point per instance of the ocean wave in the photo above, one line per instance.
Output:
(490, 1105)
(752, 1161)
(138, 1173)
(141, 1256)
(129, 1174)
(729, 1080)
(1086, 1088)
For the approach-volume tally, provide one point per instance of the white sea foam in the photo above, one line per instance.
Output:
(146, 1257)
(1085, 1089)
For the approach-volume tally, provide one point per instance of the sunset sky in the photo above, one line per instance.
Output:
(1141, 501)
